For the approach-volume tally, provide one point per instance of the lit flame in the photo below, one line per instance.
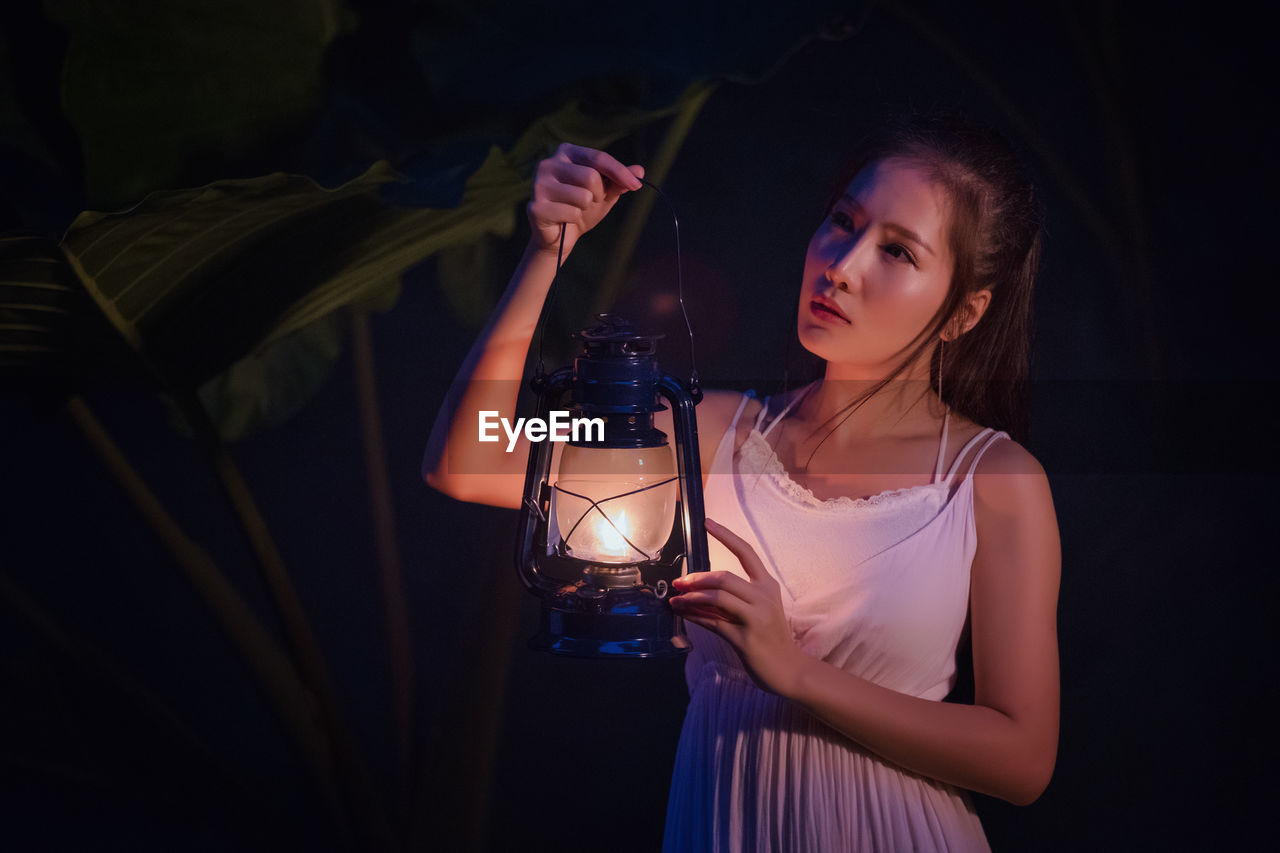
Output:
(609, 537)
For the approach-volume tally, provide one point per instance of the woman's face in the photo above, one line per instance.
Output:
(882, 260)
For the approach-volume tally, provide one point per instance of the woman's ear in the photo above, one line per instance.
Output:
(975, 305)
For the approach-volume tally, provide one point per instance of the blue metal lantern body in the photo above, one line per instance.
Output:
(603, 575)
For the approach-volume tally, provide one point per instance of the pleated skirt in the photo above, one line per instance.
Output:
(756, 772)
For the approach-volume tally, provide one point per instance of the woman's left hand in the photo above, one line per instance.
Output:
(748, 614)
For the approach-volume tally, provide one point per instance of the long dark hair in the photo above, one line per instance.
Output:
(996, 225)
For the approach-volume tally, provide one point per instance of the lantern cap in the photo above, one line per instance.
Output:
(616, 334)
(616, 378)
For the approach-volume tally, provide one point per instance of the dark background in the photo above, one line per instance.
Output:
(1150, 132)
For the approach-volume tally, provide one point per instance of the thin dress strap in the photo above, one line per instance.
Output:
(781, 414)
(991, 437)
(942, 446)
(764, 409)
(733, 425)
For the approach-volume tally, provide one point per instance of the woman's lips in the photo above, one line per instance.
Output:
(827, 312)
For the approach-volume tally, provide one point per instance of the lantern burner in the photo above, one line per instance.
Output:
(612, 577)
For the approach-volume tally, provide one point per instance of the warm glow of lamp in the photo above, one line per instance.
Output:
(611, 536)
(614, 505)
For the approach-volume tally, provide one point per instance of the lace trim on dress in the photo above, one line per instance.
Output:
(758, 457)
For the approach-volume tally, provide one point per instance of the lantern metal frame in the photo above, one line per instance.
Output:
(613, 611)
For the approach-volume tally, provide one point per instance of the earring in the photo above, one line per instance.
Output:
(941, 343)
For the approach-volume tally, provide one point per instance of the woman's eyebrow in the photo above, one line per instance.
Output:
(893, 226)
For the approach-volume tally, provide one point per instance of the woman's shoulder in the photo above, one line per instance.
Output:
(1009, 480)
(718, 407)
(714, 415)
(1017, 524)
(998, 459)
(1000, 456)
(1009, 457)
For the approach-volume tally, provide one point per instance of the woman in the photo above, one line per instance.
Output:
(870, 523)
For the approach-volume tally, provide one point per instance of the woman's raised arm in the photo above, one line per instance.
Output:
(576, 187)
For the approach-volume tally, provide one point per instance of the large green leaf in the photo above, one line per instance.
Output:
(152, 86)
(39, 297)
(198, 279)
(268, 386)
(51, 333)
(17, 134)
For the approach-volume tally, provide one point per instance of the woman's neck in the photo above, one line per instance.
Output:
(905, 404)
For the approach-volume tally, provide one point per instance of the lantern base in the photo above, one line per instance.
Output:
(585, 621)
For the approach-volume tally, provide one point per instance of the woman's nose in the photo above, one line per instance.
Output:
(843, 271)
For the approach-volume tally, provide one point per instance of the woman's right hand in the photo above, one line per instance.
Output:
(576, 187)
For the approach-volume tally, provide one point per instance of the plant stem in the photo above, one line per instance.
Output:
(275, 674)
(353, 775)
(390, 572)
(253, 802)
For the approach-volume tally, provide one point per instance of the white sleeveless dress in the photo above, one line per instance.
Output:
(877, 586)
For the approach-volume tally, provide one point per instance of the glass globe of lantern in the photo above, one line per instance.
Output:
(614, 506)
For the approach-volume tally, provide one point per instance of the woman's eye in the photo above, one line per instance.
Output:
(899, 252)
(842, 220)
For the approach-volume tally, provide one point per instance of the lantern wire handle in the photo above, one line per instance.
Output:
(540, 371)
(693, 365)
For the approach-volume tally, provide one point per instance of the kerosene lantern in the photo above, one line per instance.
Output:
(602, 538)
